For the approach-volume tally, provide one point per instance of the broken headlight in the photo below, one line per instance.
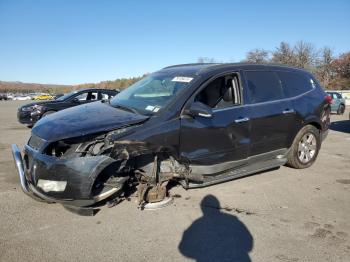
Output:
(57, 149)
(90, 145)
(116, 134)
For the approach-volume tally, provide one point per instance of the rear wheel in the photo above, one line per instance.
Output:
(341, 110)
(305, 147)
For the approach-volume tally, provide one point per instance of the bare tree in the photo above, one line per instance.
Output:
(206, 60)
(284, 54)
(305, 55)
(325, 69)
(342, 65)
(257, 56)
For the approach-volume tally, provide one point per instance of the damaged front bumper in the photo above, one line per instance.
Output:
(80, 174)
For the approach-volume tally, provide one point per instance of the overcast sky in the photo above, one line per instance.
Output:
(79, 41)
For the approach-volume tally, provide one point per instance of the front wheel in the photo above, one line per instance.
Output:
(305, 148)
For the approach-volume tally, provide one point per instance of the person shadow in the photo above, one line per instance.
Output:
(341, 126)
(216, 236)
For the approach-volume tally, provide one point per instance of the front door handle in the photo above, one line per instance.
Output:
(240, 120)
(288, 111)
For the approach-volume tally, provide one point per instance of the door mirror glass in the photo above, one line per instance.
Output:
(200, 109)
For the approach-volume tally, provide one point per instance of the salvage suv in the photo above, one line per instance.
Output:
(194, 124)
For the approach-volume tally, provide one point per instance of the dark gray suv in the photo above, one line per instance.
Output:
(194, 124)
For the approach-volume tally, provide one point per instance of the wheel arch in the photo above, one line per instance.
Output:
(314, 121)
(315, 124)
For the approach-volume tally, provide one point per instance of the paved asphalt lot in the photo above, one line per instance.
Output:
(280, 215)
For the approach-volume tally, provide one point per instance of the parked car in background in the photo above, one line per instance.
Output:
(43, 97)
(338, 103)
(21, 97)
(10, 96)
(3, 96)
(196, 124)
(32, 95)
(29, 114)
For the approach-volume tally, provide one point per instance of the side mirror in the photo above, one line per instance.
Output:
(200, 109)
(75, 100)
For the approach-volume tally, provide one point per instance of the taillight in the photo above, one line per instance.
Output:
(329, 99)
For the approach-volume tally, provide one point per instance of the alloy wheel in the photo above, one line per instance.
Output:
(307, 148)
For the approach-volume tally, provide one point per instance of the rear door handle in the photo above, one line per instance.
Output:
(288, 111)
(240, 120)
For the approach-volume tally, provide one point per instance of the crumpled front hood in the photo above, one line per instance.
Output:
(83, 120)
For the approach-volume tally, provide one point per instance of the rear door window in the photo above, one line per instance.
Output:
(263, 86)
(294, 84)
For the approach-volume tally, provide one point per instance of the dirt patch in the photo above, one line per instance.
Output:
(343, 181)
(233, 209)
(311, 225)
(176, 196)
(336, 240)
(285, 258)
(321, 233)
(342, 234)
(328, 226)
(285, 220)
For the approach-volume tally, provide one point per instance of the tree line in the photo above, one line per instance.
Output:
(18, 87)
(333, 71)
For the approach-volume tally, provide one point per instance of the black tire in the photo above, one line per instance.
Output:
(294, 155)
(341, 110)
(30, 126)
(48, 113)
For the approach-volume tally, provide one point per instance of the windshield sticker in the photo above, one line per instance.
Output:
(184, 79)
(156, 109)
(149, 108)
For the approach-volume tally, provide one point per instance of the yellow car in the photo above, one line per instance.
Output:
(43, 97)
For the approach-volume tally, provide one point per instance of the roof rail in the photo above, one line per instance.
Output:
(191, 64)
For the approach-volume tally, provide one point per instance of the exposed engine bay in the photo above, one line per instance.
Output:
(133, 166)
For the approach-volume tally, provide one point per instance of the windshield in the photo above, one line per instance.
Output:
(152, 93)
(65, 96)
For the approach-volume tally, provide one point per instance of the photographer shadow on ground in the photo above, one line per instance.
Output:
(341, 126)
(216, 236)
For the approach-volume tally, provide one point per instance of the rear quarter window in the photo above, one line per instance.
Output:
(263, 86)
(294, 84)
